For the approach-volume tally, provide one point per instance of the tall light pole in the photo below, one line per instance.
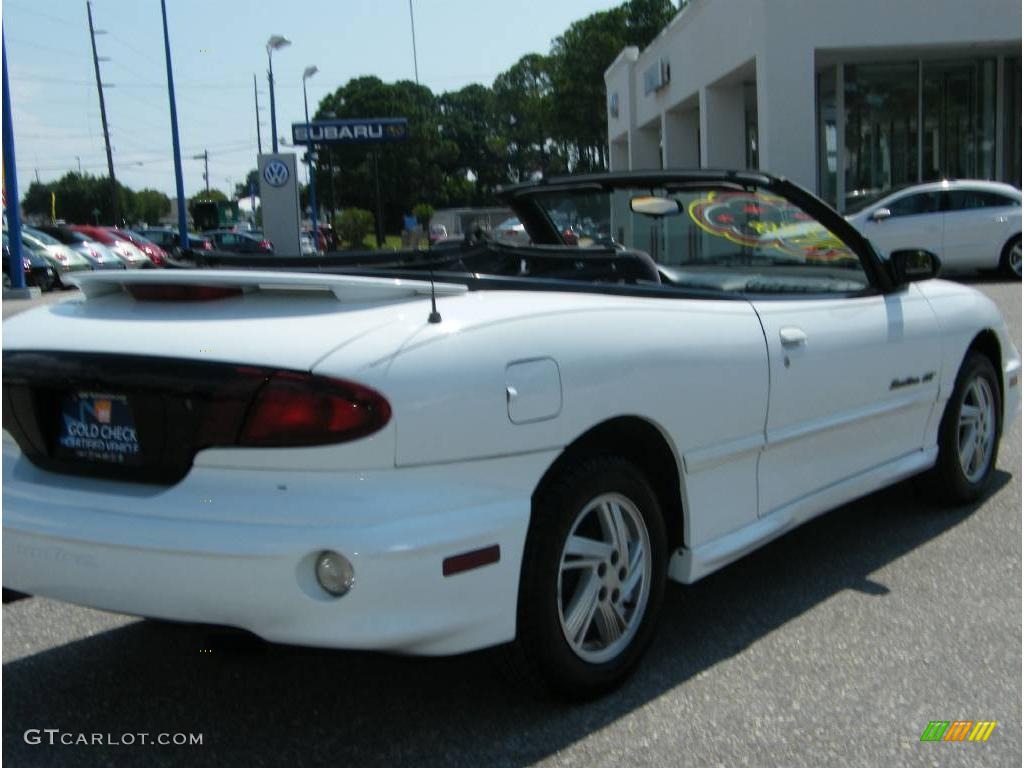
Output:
(308, 73)
(256, 95)
(17, 266)
(179, 180)
(205, 157)
(103, 116)
(275, 43)
(415, 64)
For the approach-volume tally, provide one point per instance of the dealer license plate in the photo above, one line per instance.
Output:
(100, 427)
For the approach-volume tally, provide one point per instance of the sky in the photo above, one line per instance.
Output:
(216, 47)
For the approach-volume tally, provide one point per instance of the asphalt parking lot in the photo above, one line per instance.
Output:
(835, 645)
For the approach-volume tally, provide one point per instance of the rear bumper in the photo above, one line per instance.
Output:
(237, 547)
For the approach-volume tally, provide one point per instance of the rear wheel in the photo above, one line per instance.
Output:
(592, 581)
(968, 435)
(1011, 258)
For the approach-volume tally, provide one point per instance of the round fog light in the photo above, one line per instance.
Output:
(334, 573)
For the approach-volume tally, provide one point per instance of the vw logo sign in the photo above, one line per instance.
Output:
(276, 173)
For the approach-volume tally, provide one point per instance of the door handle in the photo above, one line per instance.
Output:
(792, 337)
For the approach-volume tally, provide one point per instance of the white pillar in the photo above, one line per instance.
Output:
(681, 132)
(618, 154)
(723, 127)
(785, 113)
(644, 149)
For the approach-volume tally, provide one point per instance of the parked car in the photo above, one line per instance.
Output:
(306, 245)
(64, 260)
(494, 445)
(98, 255)
(238, 242)
(153, 252)
(512, 232)
(38, 271)
(438, 232)
(969, 225)
(132, 257)
(168, 240)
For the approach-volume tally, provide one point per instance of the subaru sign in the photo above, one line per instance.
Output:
(276, 173)
(368, 131)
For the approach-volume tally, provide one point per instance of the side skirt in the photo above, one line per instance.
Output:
(689, 565)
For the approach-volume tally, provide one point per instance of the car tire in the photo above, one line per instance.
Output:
(969, 435)
(1009, 261)
(592, 581)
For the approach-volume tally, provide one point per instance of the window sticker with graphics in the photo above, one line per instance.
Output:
(771, 224)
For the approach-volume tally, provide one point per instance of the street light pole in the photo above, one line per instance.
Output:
(310, 71)
(415, 63)
(205, 157)
(256, 95)
(11, 184)
(103, 119)
(179, 180)
(276, 42)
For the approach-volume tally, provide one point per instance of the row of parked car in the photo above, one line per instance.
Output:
(51, 252)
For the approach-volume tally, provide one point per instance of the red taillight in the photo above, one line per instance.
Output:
(149, 292)
(296, 409)
(207, 245)
(266, 245)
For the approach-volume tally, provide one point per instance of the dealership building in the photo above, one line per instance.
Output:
(845, 98)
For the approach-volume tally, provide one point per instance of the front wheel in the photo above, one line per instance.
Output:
(969, 434)
(1011, 258)
(592, 581)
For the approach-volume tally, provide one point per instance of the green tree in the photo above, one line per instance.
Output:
(423, 213)
(353, 225)
(78, 197)
(252, 181)
(524, 108)
(214, 195)
(579, 58)
(151, 206)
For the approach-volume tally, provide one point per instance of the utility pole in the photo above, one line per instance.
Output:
(205, 157)
(256, 95)
(179, 181)
(103, 118)
(415, 63)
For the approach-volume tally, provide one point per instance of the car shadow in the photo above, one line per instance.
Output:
(258, 703)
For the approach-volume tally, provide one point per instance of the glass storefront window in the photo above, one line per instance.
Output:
(828, 146)
(881, 126)
(959, 120)
(1011, 120)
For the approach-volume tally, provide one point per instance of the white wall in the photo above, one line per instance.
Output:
(711, 38)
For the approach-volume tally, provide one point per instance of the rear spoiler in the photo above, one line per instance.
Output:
(345, 288)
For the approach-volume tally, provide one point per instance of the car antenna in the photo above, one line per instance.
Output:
(434, 316)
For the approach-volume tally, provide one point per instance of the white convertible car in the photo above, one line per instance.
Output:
(487, 444)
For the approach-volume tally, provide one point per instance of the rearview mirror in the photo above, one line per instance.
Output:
(650, 205)
(880, 214)
(911, 265)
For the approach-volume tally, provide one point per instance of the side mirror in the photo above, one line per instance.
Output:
(911, 265)
(880, 214)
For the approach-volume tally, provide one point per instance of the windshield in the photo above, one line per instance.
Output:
(858, 201)
(718, 238)
(42, 237)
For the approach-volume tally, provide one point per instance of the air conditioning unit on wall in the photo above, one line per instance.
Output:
(657, 76)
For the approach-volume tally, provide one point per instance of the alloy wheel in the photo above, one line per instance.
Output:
(604, 578)
(1014, 258)
(977, 429)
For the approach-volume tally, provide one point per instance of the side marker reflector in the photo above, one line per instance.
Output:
(467, 561)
